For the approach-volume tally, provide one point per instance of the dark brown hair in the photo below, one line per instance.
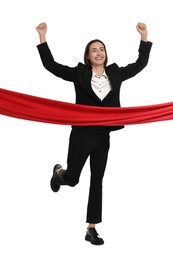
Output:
(86, 60)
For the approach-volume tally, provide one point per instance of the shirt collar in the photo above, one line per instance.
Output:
(104, 74)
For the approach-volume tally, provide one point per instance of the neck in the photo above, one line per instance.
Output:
(98, 70)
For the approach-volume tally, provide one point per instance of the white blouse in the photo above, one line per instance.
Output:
(100, 85)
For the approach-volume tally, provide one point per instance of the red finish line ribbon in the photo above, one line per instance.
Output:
(23, 106)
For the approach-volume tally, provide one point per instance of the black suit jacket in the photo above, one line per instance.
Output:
(81, 77)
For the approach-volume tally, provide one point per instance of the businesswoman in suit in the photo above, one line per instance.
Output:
(96, 84)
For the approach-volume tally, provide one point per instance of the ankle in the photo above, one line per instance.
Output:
(91, 226)
(58, 169)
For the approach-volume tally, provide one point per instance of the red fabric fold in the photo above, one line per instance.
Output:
(39, 109)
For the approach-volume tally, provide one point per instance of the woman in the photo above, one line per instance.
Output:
(96, 84)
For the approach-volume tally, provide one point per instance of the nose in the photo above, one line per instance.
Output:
(98, 52)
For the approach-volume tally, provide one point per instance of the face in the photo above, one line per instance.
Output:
(97, 54)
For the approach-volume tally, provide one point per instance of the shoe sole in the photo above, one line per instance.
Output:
(53, 188)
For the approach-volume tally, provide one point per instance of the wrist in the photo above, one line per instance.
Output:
(42, 38)
(144, 38)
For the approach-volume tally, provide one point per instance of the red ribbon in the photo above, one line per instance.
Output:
(39, 109)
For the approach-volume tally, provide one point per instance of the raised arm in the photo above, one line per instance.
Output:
(59, 70)
(42, 29)
(144, 51)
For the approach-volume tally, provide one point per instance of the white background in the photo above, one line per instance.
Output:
(137, 222)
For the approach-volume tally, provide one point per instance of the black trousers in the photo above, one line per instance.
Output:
(81, 146)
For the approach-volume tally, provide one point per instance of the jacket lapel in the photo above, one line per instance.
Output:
(87, 87)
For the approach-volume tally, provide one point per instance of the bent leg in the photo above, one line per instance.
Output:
(79, 150)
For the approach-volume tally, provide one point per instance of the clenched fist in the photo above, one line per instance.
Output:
(42, 28)
(142, 29)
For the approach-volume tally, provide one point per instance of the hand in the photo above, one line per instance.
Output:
(142, 29)
(42, 28)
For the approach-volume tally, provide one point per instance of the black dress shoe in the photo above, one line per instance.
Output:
(54, 182)
(93, 237)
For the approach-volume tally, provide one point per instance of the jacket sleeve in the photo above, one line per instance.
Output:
(59, 70)
(134, 68)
